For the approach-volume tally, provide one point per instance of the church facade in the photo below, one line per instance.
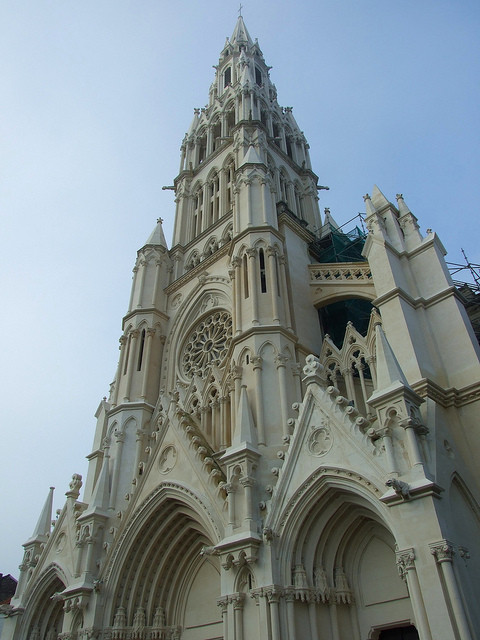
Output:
(289, 447)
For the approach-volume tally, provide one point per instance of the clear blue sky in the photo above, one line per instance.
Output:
(96, 98)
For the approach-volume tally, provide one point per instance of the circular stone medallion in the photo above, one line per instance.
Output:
(168, 458)
(320, 441)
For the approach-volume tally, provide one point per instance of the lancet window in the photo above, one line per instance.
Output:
(283, 188)
(213, 200)
(229, 121)
(262, 272)
(202, 147)
(227, 77)
(198, 213)
(229, 176)
(140, 350)
(216, 135)
(245, 275)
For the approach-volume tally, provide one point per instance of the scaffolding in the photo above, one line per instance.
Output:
(335, 245)
(468, 285)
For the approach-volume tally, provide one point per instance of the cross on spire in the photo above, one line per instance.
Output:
(240, 10)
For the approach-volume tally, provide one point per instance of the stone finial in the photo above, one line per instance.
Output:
(314, 371)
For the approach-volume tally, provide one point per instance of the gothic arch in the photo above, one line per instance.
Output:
(159, 556)
(44, 615)
(337, 545)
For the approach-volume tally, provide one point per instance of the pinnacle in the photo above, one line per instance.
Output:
(240, 34)
(157, 236)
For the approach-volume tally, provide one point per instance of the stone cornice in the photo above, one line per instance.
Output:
(451, 397)
(416, 303)
(264, 329)
(146, 311)
(129, 406)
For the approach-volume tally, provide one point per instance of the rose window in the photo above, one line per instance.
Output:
(207, 344)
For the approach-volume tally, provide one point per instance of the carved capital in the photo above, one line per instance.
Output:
(273, 594)
(281, 360)
(236, 371)
(257, 362)
(251, 253)
(247, 481)
(443, 551)
(405, 562)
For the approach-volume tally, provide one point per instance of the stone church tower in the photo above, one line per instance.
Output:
(289, 447)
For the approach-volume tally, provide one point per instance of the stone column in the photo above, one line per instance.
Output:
(230, 489)
(158, 264)
(413, 449)
(387, 443)
(248, 483)
(290, 600)
(334, 617)
(273, 596)
(118, 377)
(223, 604)
(443, 553)
(264, 184)
(134, 282)
(297, 375)
(312, 616)
(143, 265)
(148, 354)
(257, 369)
(274, 285)
(140, 434)
(284, 291)
(120, 439)
(235, 275)
(238, 599)
(253, 281)
(248, 184)
(281, 363)
(408, 572)
(237, 380)
(223, 423)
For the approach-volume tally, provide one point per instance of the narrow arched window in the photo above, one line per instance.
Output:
(263, 277)
(245, 276)
(288, 142)
(258, 76)
(202, 150)
(216, 135)
(227, 77)
(140, 350)
(230, 121)
(277, 275)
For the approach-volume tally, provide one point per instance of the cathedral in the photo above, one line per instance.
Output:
(288, 450)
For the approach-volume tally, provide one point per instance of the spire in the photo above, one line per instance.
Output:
(240, 34)
(329, 224)
(378, 199)
(44, 524)
(389, 371)
(157, 236)
(245, 431)
(101, 494)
